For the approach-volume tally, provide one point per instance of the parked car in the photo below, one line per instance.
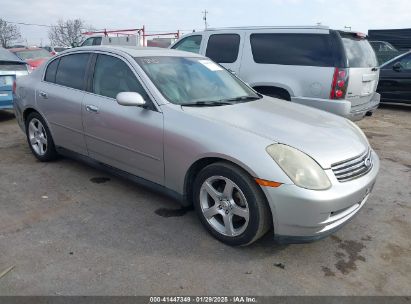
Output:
(10, 67)
(54, 50)
(180, 123)
(395, 80)
(327, 69)
(34, 56)
(384, 51)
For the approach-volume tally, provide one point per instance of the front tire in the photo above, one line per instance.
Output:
(230, 204)
(39, 138)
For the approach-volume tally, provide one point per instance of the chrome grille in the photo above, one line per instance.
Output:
(353, 168)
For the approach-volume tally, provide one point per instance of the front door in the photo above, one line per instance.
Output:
(395, 80)
(127, 138)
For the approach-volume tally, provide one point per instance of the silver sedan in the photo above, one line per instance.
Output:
(182, 124)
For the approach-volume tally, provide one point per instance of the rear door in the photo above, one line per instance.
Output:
(395, 82)
(59, 96)
(363, 69)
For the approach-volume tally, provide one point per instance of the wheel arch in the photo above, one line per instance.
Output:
(275, 90)
(203, 162)
(27, 112)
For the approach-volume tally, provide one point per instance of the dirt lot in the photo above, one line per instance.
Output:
(71, 229)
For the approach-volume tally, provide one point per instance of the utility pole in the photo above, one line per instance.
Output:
(205, 18)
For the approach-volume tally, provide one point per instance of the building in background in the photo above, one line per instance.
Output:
(399, 38)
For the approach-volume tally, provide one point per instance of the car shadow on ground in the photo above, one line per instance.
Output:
(6, 115)
(396, 106)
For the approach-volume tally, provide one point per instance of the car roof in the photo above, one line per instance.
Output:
(6, 55)
(134, 51)
(321, 27)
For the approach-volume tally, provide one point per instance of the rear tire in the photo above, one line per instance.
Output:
(230, 204)
(39, 138)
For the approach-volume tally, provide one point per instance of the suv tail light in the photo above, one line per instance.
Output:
(339, 84)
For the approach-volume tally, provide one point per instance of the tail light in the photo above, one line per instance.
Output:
(30, 68)
(339, 84)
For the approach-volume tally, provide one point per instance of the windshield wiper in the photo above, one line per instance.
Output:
(206, 103)
(242, 98)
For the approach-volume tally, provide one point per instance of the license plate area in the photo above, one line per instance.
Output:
(6, 81)
(367, 88)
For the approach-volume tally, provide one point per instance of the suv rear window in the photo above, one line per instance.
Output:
(359, 52)
(293, 49)
(223, 48)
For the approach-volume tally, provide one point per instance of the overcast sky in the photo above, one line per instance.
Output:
(171, 15)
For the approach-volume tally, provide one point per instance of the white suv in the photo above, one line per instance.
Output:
(327, 69)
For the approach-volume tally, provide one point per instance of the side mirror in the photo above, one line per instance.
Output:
(130, 99)
(397, 66)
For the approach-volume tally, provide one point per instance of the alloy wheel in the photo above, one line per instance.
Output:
(224, 206)
(37, 137)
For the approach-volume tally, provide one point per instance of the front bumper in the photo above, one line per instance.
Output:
(341, 107)
(301, 215)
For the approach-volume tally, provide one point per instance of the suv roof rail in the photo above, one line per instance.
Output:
(322, 27)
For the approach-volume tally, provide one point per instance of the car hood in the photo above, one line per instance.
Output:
(325, 137)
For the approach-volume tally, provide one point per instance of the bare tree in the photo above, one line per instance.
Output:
(8, 33)
(67, 33)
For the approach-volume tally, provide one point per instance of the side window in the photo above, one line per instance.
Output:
(223, 48)
(71, 70)
(88, 42)
(406, 62)
(112, 76)
(51, 71)
(189, 44)
(97, 41)
(293, 49)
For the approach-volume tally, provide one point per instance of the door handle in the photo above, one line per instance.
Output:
(43, 94)
(91, 108)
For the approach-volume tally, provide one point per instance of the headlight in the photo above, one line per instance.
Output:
(299, 167)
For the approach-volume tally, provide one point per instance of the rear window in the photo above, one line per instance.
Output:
(223, 48)
(293, 49)
(33, 54)
(71, 71)
(359, 52)
(12, 66)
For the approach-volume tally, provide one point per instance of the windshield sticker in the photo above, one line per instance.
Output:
(150, 60)
(210, 65)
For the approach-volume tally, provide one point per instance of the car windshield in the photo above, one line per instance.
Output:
(33, 54)
(195, 81)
